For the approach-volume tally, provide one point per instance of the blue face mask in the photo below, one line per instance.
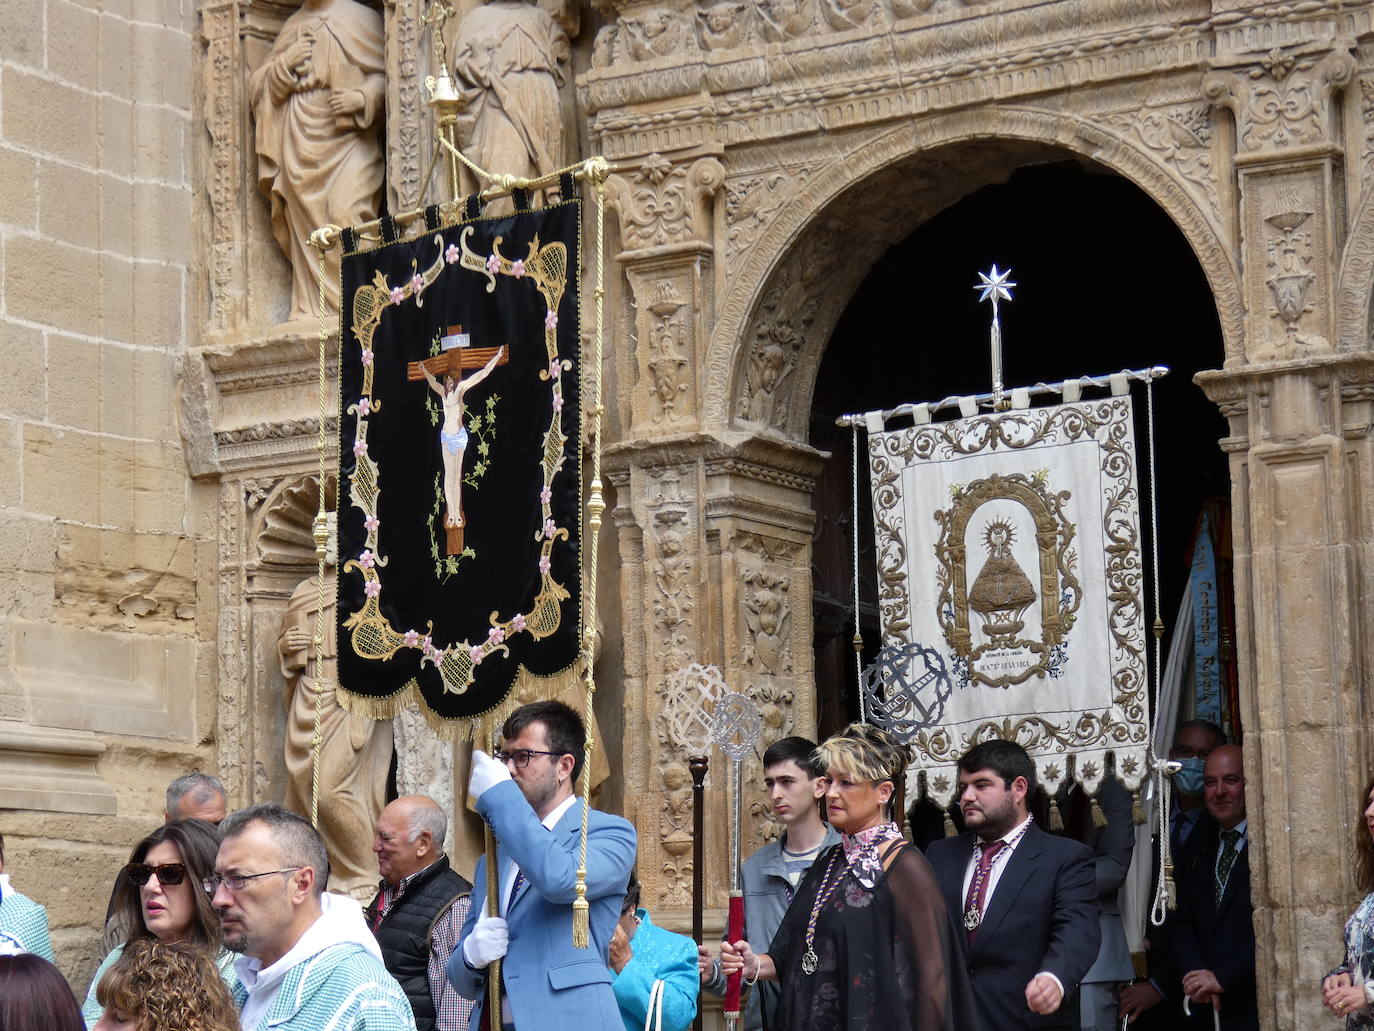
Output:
(1189, 779)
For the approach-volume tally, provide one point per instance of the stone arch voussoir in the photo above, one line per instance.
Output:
(729, 351)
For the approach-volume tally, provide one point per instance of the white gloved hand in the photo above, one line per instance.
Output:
(488, 941)
(486, 773)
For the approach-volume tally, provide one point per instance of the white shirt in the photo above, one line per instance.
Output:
(1011, 841)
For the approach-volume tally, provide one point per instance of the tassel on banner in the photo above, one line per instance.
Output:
(950, 832)
(1056, 820)
(1137, 810)
(1169, 889)
(1099, 818)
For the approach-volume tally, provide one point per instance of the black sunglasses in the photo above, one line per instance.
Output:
(168, 874)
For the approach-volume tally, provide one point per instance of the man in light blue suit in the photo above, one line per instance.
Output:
(526, 793)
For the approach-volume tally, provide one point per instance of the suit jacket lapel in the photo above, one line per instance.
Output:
(1020, 864)
(1238, 881)
(952, 878)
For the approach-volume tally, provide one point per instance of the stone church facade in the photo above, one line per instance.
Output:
(158, 426)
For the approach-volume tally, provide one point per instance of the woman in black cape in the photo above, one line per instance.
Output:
(867, 941)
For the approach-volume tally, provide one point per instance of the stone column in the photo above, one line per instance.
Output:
(1300, 474)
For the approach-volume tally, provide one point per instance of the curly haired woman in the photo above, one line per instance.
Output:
(1348, 990)
(165, 986)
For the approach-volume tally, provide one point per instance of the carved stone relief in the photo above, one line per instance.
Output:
(669, 350)
(1283, 100)
(1180, 136)
(751, 203)
(778, 335)
(674, 571)
(665, 203)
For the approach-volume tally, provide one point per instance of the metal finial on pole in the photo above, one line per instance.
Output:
(995, 286)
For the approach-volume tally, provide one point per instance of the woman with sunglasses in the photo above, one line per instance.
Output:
(159, 897)
(867, 941)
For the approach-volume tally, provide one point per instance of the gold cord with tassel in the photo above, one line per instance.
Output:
(596, 172)
(1056, 820)
(1099, 818)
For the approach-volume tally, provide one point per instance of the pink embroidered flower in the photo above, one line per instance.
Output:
(418, 283)
(367, 356)
(518, 623)
(551, 320)
(451, 255)
(426, 645)
(496, 635)
(359, 448)
(493, 264)
(555, 369)
(544, 564)
(371, 523)
(549, 528)
(410, 638)
(372, 589)
(437, 656)
(558, 402)
(476, 654)
(398, 294)
(517, 268)
(365, 406)
(545, 496)
(366, 560)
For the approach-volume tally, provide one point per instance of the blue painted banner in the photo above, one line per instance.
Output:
(1206, 627)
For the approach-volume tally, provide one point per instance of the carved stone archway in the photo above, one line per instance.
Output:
(890, 186)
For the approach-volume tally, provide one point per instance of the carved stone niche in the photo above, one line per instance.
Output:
(274, 518)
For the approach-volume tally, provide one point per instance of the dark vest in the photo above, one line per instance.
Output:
(407, 927)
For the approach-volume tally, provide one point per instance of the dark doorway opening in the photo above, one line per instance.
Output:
(1106, 282)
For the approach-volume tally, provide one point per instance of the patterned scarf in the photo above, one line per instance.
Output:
(861, 851)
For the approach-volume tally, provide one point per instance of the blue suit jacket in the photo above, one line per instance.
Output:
(550, 983)
(1043, 916)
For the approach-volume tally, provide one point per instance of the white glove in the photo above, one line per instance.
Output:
(486, 773)
(488, 941)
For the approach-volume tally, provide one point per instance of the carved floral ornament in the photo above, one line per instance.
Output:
(663, 203)
(1283, 100)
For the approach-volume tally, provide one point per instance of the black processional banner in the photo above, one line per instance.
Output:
(459, 463)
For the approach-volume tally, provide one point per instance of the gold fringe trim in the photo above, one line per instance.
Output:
(526, 687)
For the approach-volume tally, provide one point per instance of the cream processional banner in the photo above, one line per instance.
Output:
(1009, 558)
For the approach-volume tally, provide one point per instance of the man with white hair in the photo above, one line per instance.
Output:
(419, 910)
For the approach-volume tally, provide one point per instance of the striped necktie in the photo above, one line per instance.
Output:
(1226, 859)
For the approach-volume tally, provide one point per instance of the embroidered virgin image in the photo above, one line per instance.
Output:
(460, 464)
(1009, 555)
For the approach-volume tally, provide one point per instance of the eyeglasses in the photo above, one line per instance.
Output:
(168, 874)
(237, 882)
(521, 756)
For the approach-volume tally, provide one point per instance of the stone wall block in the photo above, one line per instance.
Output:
(75, 38)
(67, 208)
(51, 283)
(19, 173)
(23, 388)
(22, 32)
(49, 117)
(79, 382)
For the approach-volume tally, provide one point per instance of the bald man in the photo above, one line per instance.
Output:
(419, 910)
(1214, 937)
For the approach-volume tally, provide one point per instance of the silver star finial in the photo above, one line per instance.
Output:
(994, 285)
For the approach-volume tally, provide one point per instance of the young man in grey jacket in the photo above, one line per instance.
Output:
(771, 875)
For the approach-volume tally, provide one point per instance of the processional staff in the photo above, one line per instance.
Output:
(736, 728)
(995, 285)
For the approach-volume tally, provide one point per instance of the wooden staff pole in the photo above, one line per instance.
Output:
(493, 895)
(698, 764)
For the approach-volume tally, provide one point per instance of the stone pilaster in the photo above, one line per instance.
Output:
(1301, 472)
(714, 538)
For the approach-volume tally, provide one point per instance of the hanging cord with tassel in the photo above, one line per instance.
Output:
(596, 173)
(320, 240)
(854, 532)
(1164, 893)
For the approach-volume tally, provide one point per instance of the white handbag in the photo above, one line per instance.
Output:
(653, 1019)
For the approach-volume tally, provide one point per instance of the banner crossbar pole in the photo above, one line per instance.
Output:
(1145, 375)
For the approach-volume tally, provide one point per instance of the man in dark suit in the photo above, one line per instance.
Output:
(1214, 937)
(1027, 899)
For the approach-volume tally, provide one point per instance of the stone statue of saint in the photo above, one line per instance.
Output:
(355, 752)
(508, 63)
(318, 101)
